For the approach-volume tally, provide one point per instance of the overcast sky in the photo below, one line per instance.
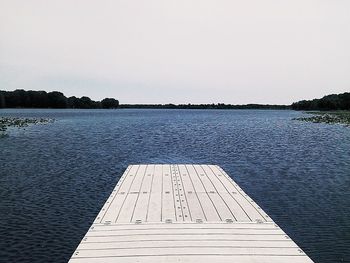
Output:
(180, 51)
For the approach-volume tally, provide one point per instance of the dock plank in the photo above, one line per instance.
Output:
(132, 196)
(111, 208)
(168, 200)
(194, 206)
(221, 206)
(151, 251)
(209, 209)
(154, 213)
(236, 209)
(141, 206)
(198, 258)
(188, 243)
(253, 212)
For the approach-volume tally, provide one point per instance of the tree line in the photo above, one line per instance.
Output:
(329, 102)
(54, 99)
(218, 106)
(42, 99)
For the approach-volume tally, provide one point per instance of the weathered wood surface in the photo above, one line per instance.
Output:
(183, 213)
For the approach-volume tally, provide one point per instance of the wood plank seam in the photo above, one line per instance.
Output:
(149, 198)
(229, 192)
(239, 190)
(219, 194)
(207, 193)
(188, 205)
(138, 167)
(199, 201)
(126, 173)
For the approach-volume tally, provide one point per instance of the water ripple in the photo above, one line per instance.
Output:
(55, 178)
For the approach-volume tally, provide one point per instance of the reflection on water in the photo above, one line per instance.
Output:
(55, 178)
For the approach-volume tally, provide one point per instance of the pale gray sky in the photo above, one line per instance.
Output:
(180, 51)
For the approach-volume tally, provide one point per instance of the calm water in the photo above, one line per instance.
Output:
(55, 178)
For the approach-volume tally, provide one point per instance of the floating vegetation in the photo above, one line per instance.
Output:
(7, 122)
(330, 117)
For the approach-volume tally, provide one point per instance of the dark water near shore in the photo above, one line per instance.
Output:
(55, 178)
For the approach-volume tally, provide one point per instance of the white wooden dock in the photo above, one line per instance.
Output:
(183, 213)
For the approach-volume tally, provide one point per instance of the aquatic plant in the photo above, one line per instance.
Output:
(6, 122)
(329, 117)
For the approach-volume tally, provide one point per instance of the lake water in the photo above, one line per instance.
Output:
(55, 178)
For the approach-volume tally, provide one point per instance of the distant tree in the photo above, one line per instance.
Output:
(344, 101)
(109, 103)
(85, 103)
(96, 104)
(329, 102)
(73, 102)
(57, 100)
(16, 99)
(42, 99)
(2, 100)
(38, 99)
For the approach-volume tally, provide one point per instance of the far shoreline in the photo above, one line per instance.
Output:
(147, 108)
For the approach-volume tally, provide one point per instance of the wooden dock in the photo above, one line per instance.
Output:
(183, 213)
